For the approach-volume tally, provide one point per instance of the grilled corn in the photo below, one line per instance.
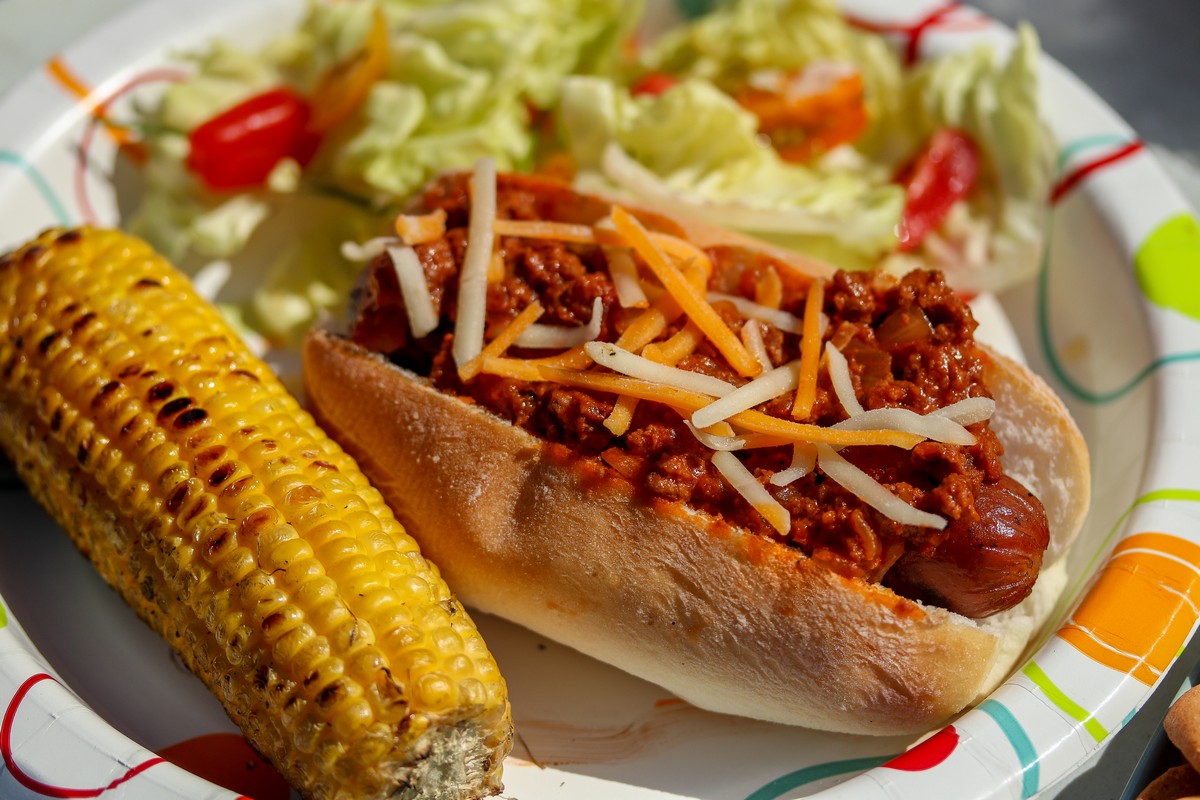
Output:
(222, 514)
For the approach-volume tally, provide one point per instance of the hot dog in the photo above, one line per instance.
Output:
(796, 552)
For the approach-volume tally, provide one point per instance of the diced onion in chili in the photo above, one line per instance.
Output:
(804, 461)
(937, 427)
(421, 228)
(546, 337)
(755, 493)
(472, 280)
(635, 366)
(765, 387)
(839, 376)
(969, 411)
(418, 304)
(748, 308)
(871, 492)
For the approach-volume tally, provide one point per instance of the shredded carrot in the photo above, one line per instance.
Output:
(689, 297)
(503, 340)
(810, 351)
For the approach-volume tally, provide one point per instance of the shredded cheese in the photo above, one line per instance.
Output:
(547, 337)
(368, 250)
(421, 228)
(969, 411)
(496, 268)
(627, 363)
(753, 339)
(714, 441)
(690, 402)
(689, 297)
(804, 461)
(871, 492)
(752, 310)
(765, 387)
(515, 368)
(624, 274)
(418, 304)
(545, 229)
(843, 385)
(755, 493)
(810, 351)
(931, 426)
(472, 280)
(502, 342)
(769, 289)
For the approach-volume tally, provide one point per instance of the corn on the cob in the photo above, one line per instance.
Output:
(211, 501)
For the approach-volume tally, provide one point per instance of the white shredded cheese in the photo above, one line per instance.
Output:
(804, 461)
(418, 304)
(714, 442)
(753, 339)
(368, 250)
(931, 426)
(545, 337)
(624, 274)
(748, 308)
(755, 493)
(839, 376)
(871, 492)
(473, 277)
(969, 411)
(620, 360)
(765, 387)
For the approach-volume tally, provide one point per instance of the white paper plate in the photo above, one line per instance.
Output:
(88, 694)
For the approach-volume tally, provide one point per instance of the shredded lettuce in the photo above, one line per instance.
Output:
(695, 148)
(465, 80)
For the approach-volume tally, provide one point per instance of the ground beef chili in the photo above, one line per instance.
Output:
(908, 342)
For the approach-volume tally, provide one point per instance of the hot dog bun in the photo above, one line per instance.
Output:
(728, 620)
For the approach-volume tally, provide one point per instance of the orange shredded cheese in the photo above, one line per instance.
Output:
(503, 340)
(516, 368)
(690, 402)
(691, 299)
(810, 351)
(769, 289)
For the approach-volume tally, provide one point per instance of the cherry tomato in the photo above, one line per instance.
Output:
(238, 148)
(943, 173)
(653, 83)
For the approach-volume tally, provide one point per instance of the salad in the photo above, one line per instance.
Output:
(778, 117)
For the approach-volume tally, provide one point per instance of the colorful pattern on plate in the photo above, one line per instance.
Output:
(1131, 616)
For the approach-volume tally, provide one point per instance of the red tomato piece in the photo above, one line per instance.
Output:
(943, 173)
(238, 148)
(653, 83)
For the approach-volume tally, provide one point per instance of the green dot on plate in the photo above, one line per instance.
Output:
(1168, 265)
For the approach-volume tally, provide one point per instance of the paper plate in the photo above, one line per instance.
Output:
(92, 702)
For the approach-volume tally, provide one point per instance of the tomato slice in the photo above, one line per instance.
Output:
(943, 172)
(653, 83)
(238, 148)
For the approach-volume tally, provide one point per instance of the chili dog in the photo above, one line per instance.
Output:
(775, 489)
